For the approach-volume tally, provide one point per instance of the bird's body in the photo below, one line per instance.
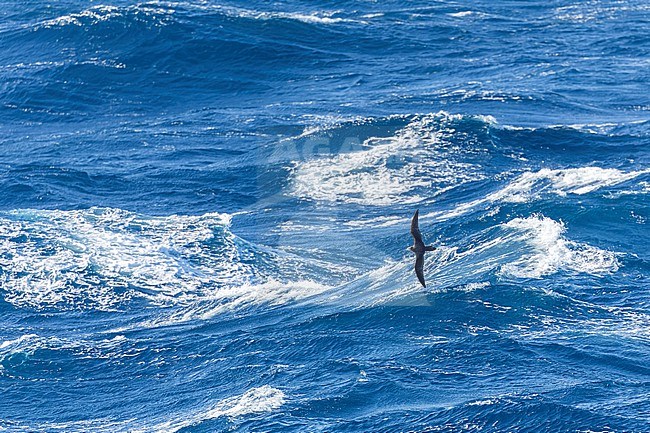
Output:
(419, 248)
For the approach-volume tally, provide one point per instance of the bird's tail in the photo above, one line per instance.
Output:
(429, 248)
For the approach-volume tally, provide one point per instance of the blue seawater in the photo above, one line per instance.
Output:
(205, 207)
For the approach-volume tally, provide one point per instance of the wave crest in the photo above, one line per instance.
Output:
(390, 170)
(552, 252)
(533, 185)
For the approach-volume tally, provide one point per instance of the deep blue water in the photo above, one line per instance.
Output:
(204, 215)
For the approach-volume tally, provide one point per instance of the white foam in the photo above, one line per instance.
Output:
(315, 17)
(262, 399)
(473, 287)
(311, 18)
(583, 12)
(16, 342)
(532, 185)
(642, 188)
(255, 400)
(552, 252)
(101, 257)
(101, 13)
(487, 402)
(460, 14)
(632, 127)
(388, 170)
(579, 181)
(95, 13)
(482, 95)
(319, 17)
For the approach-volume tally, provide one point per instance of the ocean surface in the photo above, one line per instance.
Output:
(205, 208)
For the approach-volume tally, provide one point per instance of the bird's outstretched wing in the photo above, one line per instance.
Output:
(419, 268)
(415, 228)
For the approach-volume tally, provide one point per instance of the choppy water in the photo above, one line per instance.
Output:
(204, 215)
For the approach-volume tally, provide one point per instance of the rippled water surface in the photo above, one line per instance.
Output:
(204, 215)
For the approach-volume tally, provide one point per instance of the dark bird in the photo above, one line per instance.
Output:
(419, 248)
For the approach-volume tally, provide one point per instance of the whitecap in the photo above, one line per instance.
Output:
(16, 342)
(532, 185)
(256, 400)
(460, 14)
(312, 17)
(102, 13)
(94, 14)
(551, 252)
(390, 170)
(101, 257)
(579, 181)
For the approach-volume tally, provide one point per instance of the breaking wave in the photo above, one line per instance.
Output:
(104, 258)
(393, 170)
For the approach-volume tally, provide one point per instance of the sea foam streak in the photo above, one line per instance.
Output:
(29, 344)
(533, 185)
(270, 293)
(562, 182)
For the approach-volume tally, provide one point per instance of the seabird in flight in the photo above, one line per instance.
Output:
(419, 248)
